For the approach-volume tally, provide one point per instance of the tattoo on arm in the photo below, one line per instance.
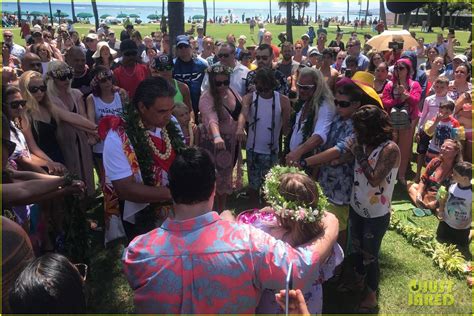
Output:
(387, 160)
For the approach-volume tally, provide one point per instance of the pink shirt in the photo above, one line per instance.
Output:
(389, 100)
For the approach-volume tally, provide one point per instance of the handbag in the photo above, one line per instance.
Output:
(400, 116)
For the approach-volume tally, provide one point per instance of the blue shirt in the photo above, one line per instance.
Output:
(192, 74)
(362, 63)
(336, 181)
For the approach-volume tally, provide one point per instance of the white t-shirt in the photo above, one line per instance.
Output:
(458, 213)
(430, 109)
(323, 124)
(237, 79)
(103, 109)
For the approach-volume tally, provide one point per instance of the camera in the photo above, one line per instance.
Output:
(395, 45)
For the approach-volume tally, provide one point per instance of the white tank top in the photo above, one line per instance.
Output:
(259, 137)
(369, 201)
(104, 109)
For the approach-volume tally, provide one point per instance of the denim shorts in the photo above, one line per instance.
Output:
(258, 166)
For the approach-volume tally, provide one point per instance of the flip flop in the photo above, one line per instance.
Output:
(419, 212)
(427, 212)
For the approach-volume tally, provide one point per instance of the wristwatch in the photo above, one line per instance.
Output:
(303, 163)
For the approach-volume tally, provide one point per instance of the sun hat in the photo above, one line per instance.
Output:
(463, 58)
(113, 52)
(365, 81)
(92, 36)
(305, 35)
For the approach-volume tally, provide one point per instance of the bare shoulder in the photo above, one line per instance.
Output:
(391, 153)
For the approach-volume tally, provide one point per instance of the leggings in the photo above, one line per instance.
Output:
(366, 237)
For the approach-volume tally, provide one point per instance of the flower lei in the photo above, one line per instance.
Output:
(295, 210)
(166, 139)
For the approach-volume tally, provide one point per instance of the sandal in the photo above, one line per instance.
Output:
(419, 212)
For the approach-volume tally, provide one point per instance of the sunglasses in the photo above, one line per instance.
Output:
(64, 77)
(223, 55)
(399, 68)
(105, 79)
(82, 268)
(7, 36)
(38, 88)
(10, 145)
(342, 104)
(224, 83)
(130, 53)
(262, 57)
(16, 104)
(298, 47)
(305, 87)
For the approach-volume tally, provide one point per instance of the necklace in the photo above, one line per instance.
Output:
(165, 138)
(130, 74)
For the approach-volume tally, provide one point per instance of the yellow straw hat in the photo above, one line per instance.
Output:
(365, 81)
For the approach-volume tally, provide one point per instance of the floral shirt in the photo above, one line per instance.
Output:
(209, 265)
(336, 181)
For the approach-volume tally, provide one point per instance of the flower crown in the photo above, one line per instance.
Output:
(220, 69)
(103, 74)
(62, 71)
(295, 210)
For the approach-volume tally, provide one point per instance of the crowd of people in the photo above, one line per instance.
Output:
(325, 133)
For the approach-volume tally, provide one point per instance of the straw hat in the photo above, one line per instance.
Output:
(113, 52)
(365, 81)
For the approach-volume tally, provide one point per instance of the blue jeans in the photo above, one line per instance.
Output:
(366, 238)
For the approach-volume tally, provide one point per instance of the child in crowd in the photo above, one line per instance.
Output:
(297, 206)
(429, 112)
(445, 126)
(190, 130)
(455, 207)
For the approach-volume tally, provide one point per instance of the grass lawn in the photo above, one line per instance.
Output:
(220, 32)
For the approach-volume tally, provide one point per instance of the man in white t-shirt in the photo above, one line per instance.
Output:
(139, 177)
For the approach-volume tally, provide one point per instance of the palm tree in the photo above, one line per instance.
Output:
(347, 11)
(176, 10)
(304, 4)
(270, 2)
(204, 4)
(19, 12)
(96, 13)
(289, 18)
(367, 12)
(74, 19)
(50, 11)
(315, 10)
(382, 15)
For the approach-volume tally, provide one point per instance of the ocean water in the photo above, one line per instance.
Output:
(191, 9)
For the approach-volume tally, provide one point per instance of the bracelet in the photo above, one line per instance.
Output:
(216, 136)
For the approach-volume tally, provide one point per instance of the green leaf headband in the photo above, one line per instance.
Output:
(296, 210)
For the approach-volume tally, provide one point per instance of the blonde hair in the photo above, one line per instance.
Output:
(32, 105)
(322, 90)
(299, 187)
(55, 66)
(180, 106)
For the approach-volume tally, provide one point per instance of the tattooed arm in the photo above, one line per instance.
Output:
(388, 159)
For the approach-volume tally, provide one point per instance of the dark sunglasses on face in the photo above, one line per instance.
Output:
(224, 83)
(7, 36)
(105, 79)
(342, 104)
(64, 77)
(38, 88)
(264, 58)
(10, 145)
(16, 104)
(223, 55)
(130, 53)
(305, 87)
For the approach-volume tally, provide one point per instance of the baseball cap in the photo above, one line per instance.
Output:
(200, 27)
(162, 61)
(314, 51)
(463, 58)
(92, 36)
(182, 40)
(243, 37)
(305, 35)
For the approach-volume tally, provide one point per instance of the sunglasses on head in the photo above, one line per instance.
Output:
(64, 77)
(42, 88)
(224, 83)
(342, 104)
(305, 87)
(9, 145)
(223, 55)
(16, 104)
(130, 53)
(82, 268)
(262, 57)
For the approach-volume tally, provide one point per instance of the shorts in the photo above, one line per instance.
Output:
(342, 214)
(258, 166)
(454, 236)
(424, 143)
(98, 155)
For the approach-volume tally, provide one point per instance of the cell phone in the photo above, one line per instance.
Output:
(348, 73)
(288, 287)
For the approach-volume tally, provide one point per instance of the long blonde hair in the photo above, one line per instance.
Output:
(322, 90)
(32, 105)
